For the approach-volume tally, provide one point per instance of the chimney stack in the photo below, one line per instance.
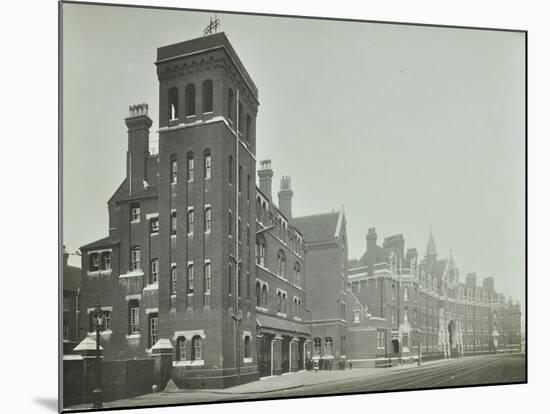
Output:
(265, 174)
(285, 197)
(371, 238)
(138, 123)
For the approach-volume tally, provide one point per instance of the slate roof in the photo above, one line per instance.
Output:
(319, 227)
(71, 278)
(104, 242)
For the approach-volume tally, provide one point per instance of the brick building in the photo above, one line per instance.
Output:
(71, 295)
(403, 307)
(326, 284)
(199, 263)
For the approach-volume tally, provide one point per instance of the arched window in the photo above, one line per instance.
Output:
(230, 107)
(173, 106)
(190, 279)
(316, 346)
(207, 277)
(207, 164)
(173, 169)
(190, 221)
(247, 346)
(241, 118)
(260, 250)
(190, 167)
(181, 349)
(248, 128)
(297, 274)
(207, 219)
(190, 109)
(284, 303)
(230, 172)
(258, 295)
(207, 96)
(196, 349)
(281, 264)
(264, 296)
(258, 209)
(154, 271)
(328, 346)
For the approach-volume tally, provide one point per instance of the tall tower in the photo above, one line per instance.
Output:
(431, 254)
(207, 140)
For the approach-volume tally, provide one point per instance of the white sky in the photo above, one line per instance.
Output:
(407, 127)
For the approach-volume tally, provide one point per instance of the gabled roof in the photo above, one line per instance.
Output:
(71, 278)
(152, 191)
(104, 242)
(319, 227)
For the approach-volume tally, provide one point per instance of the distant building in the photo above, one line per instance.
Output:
(403, 307)
(71, 295)
(326, 283)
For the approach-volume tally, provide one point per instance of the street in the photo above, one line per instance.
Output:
(475, 370)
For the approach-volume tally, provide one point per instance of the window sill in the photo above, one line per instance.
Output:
(247, 360)
(134, 221)
(195, 363)
(92, 273)
(136, 335)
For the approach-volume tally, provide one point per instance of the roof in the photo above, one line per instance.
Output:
(104, 242)
(380, 255)
(71, 277)
(202, 44)
(319, 227)
(436, 268)
(151, 191)
(282, 325)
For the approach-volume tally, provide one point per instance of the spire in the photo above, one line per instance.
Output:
(430, 249)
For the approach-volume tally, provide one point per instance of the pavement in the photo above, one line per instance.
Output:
(288, 383)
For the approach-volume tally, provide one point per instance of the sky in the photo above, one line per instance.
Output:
(409, 128)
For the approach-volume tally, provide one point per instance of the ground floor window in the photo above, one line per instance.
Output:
(181, 352)
(153, 328)
(328, 346)
(196, 348)
(247, 346)
(317, 346)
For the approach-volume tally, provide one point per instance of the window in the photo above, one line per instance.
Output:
(181, 349)
(230, 108)
(248, 127)
(356, 316)
(241, 116)
(207, 219)
(94, 262)
(258, 295)
(328, 346)
(284, 304)
(190, 278)
(173, 169)
(230, 278)
(392, 292)
(196, 348)
(317, 346)
(153, 329)
(173, 279)
(136, 258)
(295, 307)
(133, 307)
(380, 339)
(239, 279)
(106, 320)
(154, 270)
(207, 164)
(65, 330)
(207, 96)
(134, 212)
(239, 236)
(406, 293)
(190, 167)
(174, 223)
(190, 221)
(173, 108)
(154, 225)
(207, 277)
(342, 310)
(190, 100)
(240, 180)
(247, 235)
(247, 347)
(230, 169)
(260, 252)
(230, 223)
(106, 261)
(281, 264)
(279, 301)
(264, 296)
(297, 274)
(405, 315)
